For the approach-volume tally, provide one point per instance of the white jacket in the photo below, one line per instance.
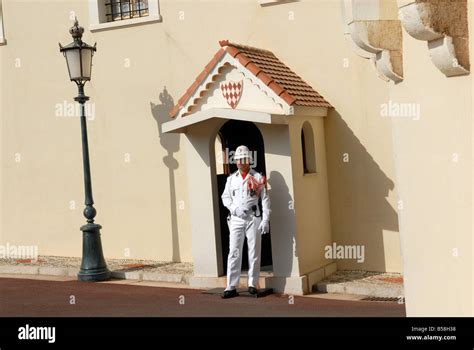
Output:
(236, 194)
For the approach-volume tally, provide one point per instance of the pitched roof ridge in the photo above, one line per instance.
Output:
(224, 43)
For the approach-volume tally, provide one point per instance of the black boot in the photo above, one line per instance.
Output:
(253, 290)
(230, 294)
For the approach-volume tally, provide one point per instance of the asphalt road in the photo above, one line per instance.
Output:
(28, 297)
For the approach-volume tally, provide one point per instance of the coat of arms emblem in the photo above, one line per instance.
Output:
(232, 91)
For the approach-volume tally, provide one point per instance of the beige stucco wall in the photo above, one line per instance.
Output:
(278, 160)
(311, 197)
(204, 198)
(131, 68)
(433, 157)
(133, 198)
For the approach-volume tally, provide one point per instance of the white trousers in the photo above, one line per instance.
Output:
(239, 229)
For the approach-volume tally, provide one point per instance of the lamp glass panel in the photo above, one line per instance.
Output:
(73, 63)
(86, 63)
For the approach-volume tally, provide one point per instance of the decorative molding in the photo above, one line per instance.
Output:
(202, 90)
(227, 61)
(371, 37)
(443, 24)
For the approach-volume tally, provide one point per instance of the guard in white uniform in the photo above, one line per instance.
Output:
(241, 196)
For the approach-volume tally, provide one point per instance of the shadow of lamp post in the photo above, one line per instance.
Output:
(79, 63)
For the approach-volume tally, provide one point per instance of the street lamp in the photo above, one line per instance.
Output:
(79, 64)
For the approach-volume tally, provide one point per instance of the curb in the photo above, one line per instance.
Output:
(365, 289)
(117, 274)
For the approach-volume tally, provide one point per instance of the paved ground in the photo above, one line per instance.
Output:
(36, 297)
(363, 283)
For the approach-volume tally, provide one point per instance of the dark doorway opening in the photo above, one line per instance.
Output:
(231, 135)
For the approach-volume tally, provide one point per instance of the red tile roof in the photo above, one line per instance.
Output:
(268, 68)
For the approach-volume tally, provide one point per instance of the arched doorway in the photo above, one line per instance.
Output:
(231, 135)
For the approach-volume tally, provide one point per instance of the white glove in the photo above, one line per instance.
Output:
(241, 212)
(264, 227)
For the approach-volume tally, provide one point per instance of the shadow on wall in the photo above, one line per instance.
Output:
(283, 241)
(170, 142)
(358, 191)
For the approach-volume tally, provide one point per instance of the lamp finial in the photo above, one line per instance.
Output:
(76, 30)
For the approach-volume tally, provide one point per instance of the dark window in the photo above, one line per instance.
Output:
(117, 10)
(308, 149)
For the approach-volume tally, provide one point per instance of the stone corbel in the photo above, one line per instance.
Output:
(443, 24)
(377, 40)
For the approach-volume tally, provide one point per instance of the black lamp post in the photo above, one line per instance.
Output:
(79, 64)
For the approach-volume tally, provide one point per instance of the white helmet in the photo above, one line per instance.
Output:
(242, 152)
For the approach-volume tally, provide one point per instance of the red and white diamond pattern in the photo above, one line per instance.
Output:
(232, 91)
